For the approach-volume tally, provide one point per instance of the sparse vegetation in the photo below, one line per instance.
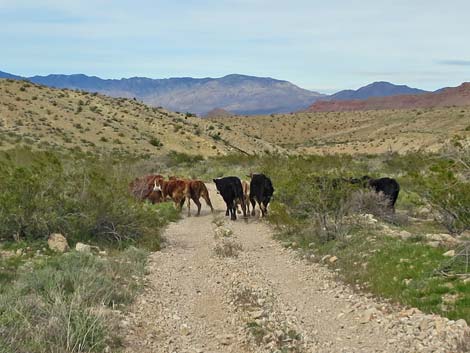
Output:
(68, 300)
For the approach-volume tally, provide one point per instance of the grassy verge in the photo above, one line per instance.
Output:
(404, 271)
(65, 303)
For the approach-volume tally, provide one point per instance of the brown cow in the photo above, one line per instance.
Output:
(177, 190)
(142, 188)
(197, 189)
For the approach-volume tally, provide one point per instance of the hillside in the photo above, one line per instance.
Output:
(46, 117)
(358, 132)
(456, 96)
(239, 94)
(41, 116)
(376, 89)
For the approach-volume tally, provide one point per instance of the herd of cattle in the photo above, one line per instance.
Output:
(235, 192)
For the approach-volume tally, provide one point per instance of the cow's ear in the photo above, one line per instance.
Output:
(214, 180)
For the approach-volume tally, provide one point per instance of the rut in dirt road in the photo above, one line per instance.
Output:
(224, 286)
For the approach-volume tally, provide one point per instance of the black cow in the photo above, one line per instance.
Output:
(388, 186)
(261, 191)
(232, 192)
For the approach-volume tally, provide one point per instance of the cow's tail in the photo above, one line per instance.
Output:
(240, 195)
(205, 196)
(187, 196)
(394, 196)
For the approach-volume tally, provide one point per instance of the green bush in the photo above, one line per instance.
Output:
(450, 196)
(85, 198)
(176, 158)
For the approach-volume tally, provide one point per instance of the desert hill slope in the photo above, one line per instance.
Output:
(45, 117)
(239, 94)
(41, 116)
(456, 96)
(353, 132)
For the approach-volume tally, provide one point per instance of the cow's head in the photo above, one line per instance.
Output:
(156, 187)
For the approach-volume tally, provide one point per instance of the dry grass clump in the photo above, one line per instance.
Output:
(371, 202)
(228, 248)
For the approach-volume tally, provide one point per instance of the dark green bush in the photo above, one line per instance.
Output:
(155, 142)
(176, 158)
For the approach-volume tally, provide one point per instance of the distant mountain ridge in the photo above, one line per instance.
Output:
(454, 96)
(218, 113)
(238, 94)
(375, 89)
(7, 75)
(232, 94)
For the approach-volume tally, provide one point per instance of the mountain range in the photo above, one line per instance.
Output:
(232, 94)
(238, 94)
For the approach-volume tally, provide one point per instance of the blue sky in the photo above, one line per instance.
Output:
(319, 45)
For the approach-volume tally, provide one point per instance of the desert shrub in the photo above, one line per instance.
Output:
(327, 200)
(319, 201)
(370, 202)
(446, 187)
(175, 158)
(216, 137)
(366, 201)
(155, 142)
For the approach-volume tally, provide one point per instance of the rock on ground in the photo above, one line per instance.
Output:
(57, 242)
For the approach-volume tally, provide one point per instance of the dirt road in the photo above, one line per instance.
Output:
(201, 296)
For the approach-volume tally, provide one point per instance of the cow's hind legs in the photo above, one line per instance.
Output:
(208, 202)
(264, 210)
(233, 211)
(243, 206)
(188, 202)
(198, 204)
(253, 205)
